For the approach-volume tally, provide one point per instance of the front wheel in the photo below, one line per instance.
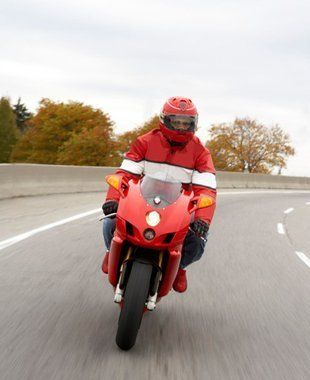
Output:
(135, 296)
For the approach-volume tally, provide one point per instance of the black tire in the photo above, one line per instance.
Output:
(135, 296)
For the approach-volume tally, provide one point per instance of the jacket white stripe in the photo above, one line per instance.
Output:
(133, 167)
(177, 173)
(204, 179)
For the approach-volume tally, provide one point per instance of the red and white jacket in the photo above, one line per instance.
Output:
(190, 164)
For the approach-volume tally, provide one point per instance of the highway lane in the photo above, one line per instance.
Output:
(245, 314)
(19, 215)
(298, 231)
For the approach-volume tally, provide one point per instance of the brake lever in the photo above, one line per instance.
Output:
(107, 216)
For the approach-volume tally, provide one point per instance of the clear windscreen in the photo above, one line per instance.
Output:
(160, 190)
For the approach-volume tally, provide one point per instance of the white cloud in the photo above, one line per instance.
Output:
(241, 58)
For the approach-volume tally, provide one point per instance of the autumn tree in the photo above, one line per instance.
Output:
(246, 145)
(57, 126)
(8, 130)
(22, 115)
(125, 139)
(91, 147)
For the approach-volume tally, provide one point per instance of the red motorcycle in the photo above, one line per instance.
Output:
(152, 221)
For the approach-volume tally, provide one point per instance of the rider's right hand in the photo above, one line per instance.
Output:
(109, 207)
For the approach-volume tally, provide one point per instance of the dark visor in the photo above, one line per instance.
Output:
(181, 122)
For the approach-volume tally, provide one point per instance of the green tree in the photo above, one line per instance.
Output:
(8, 130)
(56, 126)
(125, 139)
(22, 115)
(246, 145)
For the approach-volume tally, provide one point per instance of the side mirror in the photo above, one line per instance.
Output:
(118, 183)
(201, 201)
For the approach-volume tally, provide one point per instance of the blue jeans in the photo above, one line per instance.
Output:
(192, 251)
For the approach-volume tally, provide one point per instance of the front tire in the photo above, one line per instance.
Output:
(136, 293)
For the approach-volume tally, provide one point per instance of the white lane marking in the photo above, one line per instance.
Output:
(304, 258)
(289, 210)
(281, 229)
(15, 239)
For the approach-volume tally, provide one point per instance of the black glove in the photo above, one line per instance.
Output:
(200, 228)
(109, 207)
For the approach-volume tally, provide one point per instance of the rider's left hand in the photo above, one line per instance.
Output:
(200, 228)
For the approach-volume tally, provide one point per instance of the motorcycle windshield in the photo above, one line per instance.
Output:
(160, 190)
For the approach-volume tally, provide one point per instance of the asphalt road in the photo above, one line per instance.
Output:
(246, 314)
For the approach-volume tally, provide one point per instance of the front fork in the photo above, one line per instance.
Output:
(151, 302)
(119, 291)
(152, 298)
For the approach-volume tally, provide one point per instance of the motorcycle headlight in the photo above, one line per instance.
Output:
(152, 218)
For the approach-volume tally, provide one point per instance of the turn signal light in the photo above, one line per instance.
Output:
(117, 182)
(205, 201)
(114, 180)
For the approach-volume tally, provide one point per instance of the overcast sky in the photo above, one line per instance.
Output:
(233, 58)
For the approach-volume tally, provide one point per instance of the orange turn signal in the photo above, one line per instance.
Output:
(114, 181)
(205, 201)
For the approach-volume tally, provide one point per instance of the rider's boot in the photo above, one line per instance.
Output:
(180, 282)
(105, 263)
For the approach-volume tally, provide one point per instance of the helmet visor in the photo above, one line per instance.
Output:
(181, 122)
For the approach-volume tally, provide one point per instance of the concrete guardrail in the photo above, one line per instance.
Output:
(17, 180)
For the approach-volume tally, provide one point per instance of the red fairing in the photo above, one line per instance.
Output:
(114, 258)
(170, 272)
(190, 164)
(175, 219)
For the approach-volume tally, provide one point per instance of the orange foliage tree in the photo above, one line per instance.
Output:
(65, 133)
(89, 147)
(246, 145)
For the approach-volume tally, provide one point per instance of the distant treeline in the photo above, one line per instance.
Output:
(73, 133)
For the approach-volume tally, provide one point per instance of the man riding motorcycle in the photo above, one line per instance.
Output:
(175, 150)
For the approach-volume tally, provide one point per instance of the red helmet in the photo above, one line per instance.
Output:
(178, 119)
